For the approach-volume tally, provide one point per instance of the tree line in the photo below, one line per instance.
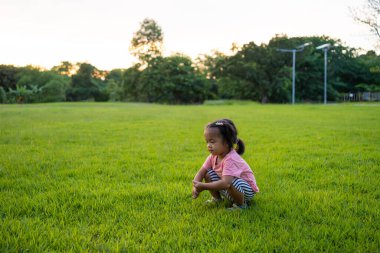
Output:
(251, 72)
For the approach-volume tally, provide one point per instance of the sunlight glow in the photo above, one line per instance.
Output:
(47, 32)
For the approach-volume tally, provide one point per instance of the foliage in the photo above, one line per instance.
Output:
(131, 84)
(8, 76)
(114, 90)
(252, 72)
(24, 94)
(36, 85)
(3, 96)
(147, 42)
(65, 68)
(54, 91)
(262, 73)
(44, 86)
(86, 84)
(116, 177)
(171, 79)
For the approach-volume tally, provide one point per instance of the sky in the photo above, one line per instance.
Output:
(47, 32)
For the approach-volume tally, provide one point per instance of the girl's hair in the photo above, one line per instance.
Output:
(229, 133)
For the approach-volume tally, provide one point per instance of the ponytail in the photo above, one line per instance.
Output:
(240, 147)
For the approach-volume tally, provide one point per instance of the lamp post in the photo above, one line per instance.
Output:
(294, 51)
(325, 48)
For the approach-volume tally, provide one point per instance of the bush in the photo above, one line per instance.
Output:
(114, 90)
(54, 91)
(23, 94)
(3, 96)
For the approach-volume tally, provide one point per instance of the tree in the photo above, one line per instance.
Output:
(131, 83)
(212, 67)
(252, 73)
(9, 76)
(367, 73)
(310, 66)
(369, 15)
(261, 73)
(147, 42)
(114, 90)
(87, 84)
(114, 85)
(169, 80)
(37, 85)
(54, 90)
(65, 68)
(33, 76)
(3, 96)
(177, 81)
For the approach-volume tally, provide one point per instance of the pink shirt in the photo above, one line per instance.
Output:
(232, 165)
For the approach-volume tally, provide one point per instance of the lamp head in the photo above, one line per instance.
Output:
(304, 45)
(327, 46)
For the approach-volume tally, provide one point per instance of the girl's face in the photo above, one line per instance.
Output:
(215, 142)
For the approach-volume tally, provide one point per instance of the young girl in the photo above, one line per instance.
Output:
(225, 172)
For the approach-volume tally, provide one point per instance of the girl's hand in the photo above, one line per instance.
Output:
(195, 193)
(198, 186)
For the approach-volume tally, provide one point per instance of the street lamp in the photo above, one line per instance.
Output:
(294, 51)
(325, 48)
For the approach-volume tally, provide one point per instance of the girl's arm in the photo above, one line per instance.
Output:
(200, 175)
(222, 184)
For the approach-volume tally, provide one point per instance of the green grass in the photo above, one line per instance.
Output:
(117, 177)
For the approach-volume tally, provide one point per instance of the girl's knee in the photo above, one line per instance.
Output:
(236, 195)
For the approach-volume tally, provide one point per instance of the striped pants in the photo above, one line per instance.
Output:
(238, 183)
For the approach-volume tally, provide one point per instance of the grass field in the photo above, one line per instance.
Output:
(117, 177)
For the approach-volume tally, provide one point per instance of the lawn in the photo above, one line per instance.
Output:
(117, 177)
